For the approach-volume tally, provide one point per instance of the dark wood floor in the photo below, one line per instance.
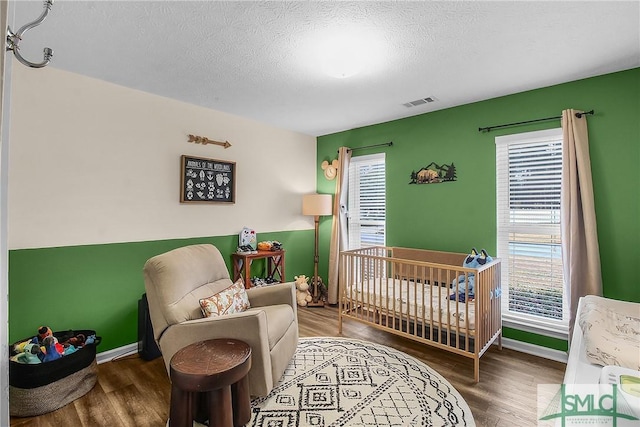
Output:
(133, 392)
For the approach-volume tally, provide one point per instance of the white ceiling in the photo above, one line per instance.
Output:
(259, 59)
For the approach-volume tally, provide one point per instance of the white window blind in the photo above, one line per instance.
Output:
(529, 179)
(366, 201)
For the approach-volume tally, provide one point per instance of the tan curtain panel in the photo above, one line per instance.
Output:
(580, 251)
(339, 234)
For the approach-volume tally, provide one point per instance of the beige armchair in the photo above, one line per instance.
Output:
(176, 281)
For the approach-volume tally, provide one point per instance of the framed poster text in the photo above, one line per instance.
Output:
(205, 180)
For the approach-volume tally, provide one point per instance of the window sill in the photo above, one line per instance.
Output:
(559, 332)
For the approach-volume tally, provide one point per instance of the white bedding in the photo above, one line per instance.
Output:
(611, 332)
(408, 299)
(580, 370)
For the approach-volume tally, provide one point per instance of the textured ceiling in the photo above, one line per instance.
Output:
(260, 60)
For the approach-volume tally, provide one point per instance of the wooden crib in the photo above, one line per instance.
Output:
(407, 292)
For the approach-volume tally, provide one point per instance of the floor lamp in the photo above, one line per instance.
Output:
(316, 205)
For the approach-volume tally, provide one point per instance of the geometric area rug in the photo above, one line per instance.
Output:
(347, 382)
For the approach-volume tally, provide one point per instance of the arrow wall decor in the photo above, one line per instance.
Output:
(204, 141)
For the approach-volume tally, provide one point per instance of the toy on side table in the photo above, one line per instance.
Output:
(247, 241)
(269, 245)
(303, 296)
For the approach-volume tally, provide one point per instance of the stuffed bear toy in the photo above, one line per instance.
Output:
(473, 260)
(77, 341)
(303, 296)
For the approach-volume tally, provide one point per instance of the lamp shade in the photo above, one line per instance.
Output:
(316, 204)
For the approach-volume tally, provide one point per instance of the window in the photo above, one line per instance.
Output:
(529, 178)
(366, 201)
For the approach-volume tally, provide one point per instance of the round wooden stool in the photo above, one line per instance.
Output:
(209, 380)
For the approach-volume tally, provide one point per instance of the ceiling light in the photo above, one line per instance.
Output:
(346, 51)
(342, 55)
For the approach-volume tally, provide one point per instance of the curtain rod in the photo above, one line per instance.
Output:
(488, 128)
(387, 144)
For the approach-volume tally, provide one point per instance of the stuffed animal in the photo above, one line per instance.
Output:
(30, 354)
(276, 246)
(303, 296)
(473, 260)
(19, 347)
(269, 245)
(264, 246)
(77, 341)
(43, 332)
(70, 349)
(467, 281)
(323, 292)
(484, 258)
(50, 351)
(248, 238)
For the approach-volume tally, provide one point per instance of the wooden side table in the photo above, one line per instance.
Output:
(242, 265)
(209, 380)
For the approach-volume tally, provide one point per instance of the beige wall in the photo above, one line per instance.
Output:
(93, 162)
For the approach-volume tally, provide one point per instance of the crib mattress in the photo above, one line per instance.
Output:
(414, 302)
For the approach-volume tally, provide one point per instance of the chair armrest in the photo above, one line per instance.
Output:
(245, 325)
(249, 326)
(281, 293)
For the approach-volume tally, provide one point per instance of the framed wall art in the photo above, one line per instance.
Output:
(205, 180)
(434, 173)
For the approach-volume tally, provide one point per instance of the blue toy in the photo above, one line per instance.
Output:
(51, 353)
(473, 260)
(483, 258)
(69, 350)
(30, 354)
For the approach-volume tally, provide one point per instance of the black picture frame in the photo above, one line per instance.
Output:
(204, 180)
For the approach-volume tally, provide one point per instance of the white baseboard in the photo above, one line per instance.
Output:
(115, 353)
(536, 350)
(523, 347)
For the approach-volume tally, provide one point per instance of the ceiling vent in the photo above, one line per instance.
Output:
(420, 101)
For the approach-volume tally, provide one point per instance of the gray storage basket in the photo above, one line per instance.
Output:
(44, 387)
(28, 402)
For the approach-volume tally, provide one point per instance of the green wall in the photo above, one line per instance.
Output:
(456, 216)
(98, 286)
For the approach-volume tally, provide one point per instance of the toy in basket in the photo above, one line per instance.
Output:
(64, 369)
